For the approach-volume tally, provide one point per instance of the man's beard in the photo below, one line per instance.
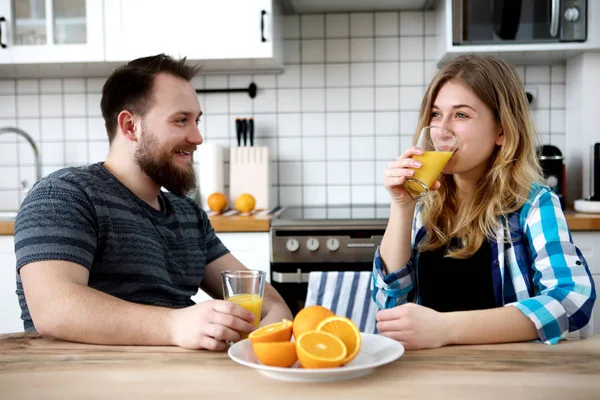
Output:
(161, 167)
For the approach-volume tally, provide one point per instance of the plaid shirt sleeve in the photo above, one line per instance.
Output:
(395, 288)
(564, 292)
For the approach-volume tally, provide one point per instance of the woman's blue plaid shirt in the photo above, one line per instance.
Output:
(535, 267)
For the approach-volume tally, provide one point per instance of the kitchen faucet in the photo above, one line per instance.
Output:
(36, 153)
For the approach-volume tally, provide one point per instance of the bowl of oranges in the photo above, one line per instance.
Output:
(316, 346)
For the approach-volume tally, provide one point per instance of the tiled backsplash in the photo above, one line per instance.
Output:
(345, 106)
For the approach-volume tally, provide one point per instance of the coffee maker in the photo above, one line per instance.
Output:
(553, 167)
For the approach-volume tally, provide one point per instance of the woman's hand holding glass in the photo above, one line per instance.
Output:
(398, 171)
(438, 146)
(415, 172)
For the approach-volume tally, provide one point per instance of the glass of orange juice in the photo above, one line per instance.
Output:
(438, 145)
(245, 287)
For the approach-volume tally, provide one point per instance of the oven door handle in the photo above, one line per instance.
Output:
(290, 277)
(555, 18)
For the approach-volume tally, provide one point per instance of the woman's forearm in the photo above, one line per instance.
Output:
(497, 325)
(395, 247)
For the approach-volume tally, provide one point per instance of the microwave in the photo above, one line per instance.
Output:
(519, 21)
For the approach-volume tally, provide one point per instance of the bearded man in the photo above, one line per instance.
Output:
(104, 256)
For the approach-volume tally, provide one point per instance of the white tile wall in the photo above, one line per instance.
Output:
(345, 106)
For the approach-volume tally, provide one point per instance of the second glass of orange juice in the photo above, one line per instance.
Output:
(438, 146)
(245, 288)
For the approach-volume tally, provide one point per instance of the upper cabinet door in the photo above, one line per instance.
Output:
(51, 31)
(196, 29)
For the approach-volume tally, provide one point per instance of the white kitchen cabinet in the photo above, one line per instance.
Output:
(228, 34)
(10, 312)
(527, 53)
(251, 248)
(336, 6)
(51, 31)
(586, 242)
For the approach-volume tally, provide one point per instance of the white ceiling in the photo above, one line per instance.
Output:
(323, 6)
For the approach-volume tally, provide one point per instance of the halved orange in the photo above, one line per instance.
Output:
(320, 350)
(276, 354)
(276, 332)
(346, 330)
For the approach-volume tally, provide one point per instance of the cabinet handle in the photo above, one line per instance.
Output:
(290, 277)
(2, 19)
(262, 26)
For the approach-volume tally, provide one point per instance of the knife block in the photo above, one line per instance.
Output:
(249, 173)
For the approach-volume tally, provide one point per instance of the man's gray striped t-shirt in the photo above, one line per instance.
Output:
(132, 251)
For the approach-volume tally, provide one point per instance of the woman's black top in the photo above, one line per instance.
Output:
(449, 284)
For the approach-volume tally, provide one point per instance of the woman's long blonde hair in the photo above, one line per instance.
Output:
(513, 167)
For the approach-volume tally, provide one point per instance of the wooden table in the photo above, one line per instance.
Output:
(41, 368)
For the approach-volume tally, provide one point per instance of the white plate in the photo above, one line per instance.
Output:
(376, 350)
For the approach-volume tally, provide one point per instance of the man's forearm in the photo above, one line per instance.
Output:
(274, 307)
(82, 314)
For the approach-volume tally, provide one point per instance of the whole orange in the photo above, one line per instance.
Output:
(308, 318)
(245, 203)
(217, 202)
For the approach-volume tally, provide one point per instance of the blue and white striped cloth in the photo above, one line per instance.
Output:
(347, 294)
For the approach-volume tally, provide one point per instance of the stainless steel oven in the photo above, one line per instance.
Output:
(332, 238)
(519, 21)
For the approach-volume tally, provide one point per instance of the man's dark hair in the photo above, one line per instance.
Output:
(129, 87)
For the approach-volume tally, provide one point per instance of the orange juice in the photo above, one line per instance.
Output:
(433, 164)
(252, 303)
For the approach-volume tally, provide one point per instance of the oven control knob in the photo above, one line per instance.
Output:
(292, 245)
(312, 244)
(572, 14)
(333, 244)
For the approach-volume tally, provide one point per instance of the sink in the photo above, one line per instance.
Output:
(8, 215)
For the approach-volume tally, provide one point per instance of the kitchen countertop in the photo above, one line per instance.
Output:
(241, 223)
(7, 227)
(582, 222)
(258, 222)
(45, 368)
(261, 223)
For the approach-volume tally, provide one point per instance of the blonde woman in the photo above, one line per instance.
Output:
(486, 256)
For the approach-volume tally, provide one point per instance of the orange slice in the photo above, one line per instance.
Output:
(276, 354)
(320, 350)
(277, 332)
(346, 330)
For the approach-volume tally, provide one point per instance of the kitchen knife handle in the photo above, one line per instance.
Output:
(262, 26)
(245, 131)
(251, 130)
(238, 131)
(2, 19)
